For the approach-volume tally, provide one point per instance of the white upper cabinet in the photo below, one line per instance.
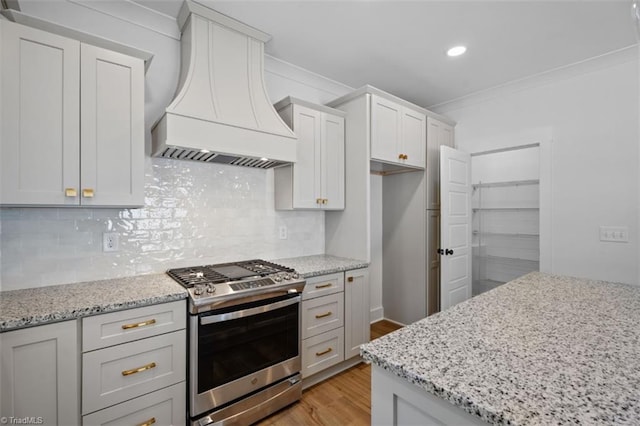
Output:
(398, 133)
(438, 134)
(72, 122)
(316, 179)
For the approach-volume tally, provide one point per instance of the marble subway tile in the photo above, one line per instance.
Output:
(194, 213)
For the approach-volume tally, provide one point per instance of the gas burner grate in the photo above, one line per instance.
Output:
(264, 268)
(190, 277)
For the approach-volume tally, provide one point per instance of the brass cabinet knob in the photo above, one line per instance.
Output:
(325, 201)
(318, 200)
(87, 193)
(400, 156)
(70, 192)
(350, 279)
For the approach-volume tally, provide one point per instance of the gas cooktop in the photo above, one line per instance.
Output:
(226, 284)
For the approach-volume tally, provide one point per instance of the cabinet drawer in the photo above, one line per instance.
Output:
(322, 351)
(163, 407)
(322, 314)
(119, 373)
(119, 327)
(323, 285)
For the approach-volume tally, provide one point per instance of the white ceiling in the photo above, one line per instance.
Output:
(399, 46)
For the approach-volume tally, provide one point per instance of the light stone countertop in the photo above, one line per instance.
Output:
(42, 305)
(539, 350)
(321, 264)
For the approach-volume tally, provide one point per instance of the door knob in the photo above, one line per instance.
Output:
(440, 251)
(448, 252)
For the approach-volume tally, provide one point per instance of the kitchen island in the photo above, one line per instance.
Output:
(539, 350)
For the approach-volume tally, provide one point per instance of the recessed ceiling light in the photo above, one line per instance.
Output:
(204, 151)
(264, 159)
(456, 51)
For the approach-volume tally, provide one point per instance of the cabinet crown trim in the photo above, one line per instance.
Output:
(289, 100)
(41, 24)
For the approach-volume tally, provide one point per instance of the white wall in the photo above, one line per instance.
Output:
(592, 111)
(194, 213)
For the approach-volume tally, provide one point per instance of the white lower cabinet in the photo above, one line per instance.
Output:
(335, 319)
(39, 374)
(163, 407)
(141, 379)
(322, 351)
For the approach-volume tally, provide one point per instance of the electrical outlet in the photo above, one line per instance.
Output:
(283, 232)
(110, 241)
(614, 234)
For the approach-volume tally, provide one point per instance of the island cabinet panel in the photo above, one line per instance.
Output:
(73, 122)
(395, 401)
(39, 374)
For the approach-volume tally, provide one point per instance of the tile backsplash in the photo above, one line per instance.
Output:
(194, 214)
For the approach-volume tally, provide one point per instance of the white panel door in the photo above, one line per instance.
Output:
(386, 129)
(332, 162)
(414, 137)
(306, 171)
(455, 235)
(40, 116)
(112, 128)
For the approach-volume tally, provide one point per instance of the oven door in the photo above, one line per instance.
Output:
(238, 350)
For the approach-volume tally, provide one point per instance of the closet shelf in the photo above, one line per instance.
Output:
(506, 234)
(507, 259)
(506, 183)
(515, 209)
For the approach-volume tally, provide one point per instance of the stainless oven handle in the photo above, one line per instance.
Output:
(210, 319)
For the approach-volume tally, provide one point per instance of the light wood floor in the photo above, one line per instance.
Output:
(343, 400)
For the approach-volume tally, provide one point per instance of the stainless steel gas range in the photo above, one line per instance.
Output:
(244, 340)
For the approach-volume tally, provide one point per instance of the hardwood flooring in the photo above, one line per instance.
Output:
(343, 400)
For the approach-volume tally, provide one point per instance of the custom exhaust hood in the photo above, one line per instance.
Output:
(221, 112)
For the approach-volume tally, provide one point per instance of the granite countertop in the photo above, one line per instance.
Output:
(321, 264)
(539, 350)
(42, 305)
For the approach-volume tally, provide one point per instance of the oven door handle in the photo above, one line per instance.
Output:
(210, 319)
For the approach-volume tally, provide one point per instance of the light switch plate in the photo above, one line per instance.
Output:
(615, 234)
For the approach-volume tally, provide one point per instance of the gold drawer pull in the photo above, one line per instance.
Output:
(139, 370)
(323, 285)
(149, 422)
(140, 324)
(70, 192)
(326, 314)
(87, 193)
(350, 279)
(318, 200)
(324, 352)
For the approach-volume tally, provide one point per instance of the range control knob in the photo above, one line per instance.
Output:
(277, 278)
(197, 291)
(295, 276)
(211, 289)
(287, 277)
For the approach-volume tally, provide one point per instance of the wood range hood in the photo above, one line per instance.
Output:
(221, 112)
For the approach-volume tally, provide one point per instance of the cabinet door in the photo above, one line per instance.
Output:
(414, 137)
(332, 162)
(40, 116)
(386, 129)
(306, 171)
(438, 133)
(112, 128)
(356, 311)
(39, 375)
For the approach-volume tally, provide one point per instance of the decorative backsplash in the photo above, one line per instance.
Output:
(194, 214)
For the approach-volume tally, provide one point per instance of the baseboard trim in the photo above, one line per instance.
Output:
(376, 314)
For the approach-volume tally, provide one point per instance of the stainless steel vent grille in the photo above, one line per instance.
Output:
(212, 157)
